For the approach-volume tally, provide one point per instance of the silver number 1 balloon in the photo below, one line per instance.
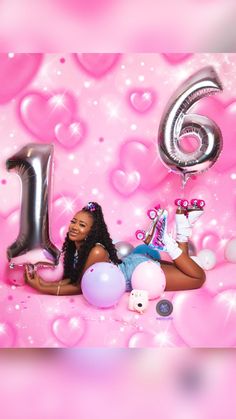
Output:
(33, 163)
(177, 123)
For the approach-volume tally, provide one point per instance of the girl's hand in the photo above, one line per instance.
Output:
(32, 278)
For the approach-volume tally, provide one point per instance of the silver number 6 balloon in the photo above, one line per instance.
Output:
(177, 123)
(33, 163)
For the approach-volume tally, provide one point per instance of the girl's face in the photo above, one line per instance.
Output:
(80, 226)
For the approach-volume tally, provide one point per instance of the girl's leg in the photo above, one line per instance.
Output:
(184, 273)
(179, 254)
(177, 280)
(187, 265)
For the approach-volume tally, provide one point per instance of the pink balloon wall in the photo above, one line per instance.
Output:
(102, 114)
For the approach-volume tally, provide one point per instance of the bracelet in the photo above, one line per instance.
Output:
(58, 288)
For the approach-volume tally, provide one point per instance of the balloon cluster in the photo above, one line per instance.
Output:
(103, 284)
(33, 163)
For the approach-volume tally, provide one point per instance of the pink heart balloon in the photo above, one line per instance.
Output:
(206, 320)
(69, 135)
(125, 183)
(16, 72)
(224, 116)
(221, 278)
(140, 156)
(40, 114)
(176, 58)
(140, 340)
(97, 65)
(142, 100)
(69, 331)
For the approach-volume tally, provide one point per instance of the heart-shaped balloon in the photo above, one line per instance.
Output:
(224, 115)
(125, 183)
(97, 64)
(221, 278)
(40, 113)
(142, 100)
(69, 135)
(140, 156)
(176, 58)
(206, 320)
(69, 330)
(16, 72)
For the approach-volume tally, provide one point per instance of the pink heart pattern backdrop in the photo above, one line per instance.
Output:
(102, 112)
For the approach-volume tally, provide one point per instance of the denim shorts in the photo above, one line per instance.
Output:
(128, 265)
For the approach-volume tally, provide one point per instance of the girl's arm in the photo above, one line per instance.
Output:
(57, 288)
(97, 254)
(48, 284)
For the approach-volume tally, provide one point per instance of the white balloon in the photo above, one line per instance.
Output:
(207, 259)
(197, 260)
(230, 251)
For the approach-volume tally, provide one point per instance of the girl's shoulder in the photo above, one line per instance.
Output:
(100, 244)
(100, 249)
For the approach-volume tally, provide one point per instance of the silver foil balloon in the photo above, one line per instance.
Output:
(123, 249)
(178, 123)
(33, 163)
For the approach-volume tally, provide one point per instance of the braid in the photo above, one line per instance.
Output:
(98, 234)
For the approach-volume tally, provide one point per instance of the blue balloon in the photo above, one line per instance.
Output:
(144, 249)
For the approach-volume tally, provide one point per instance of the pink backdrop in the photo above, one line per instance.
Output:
(116, 104)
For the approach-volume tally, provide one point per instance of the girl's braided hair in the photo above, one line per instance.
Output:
(98, 234)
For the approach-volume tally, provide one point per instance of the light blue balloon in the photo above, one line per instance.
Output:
(103, 284)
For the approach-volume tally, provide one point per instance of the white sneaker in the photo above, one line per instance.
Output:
(184, 224)
(194, 215)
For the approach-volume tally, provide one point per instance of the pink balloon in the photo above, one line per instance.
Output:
(51, 274)
(139, 167)
(176, 58)
(69, 330)
(162, 337)
(16, 275)
(206, 320)
(150, 277)
(224, 115)
(125, 183)
(142, 100)
(221, 278)
(69, 135)
(140, 340)
(41, 113)
(32, 257)
(16, 72)
(34, 324)
(97, 64)
(9, 227)
(209, 240)
(85, 8)
(63, 208)
(7, 335)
